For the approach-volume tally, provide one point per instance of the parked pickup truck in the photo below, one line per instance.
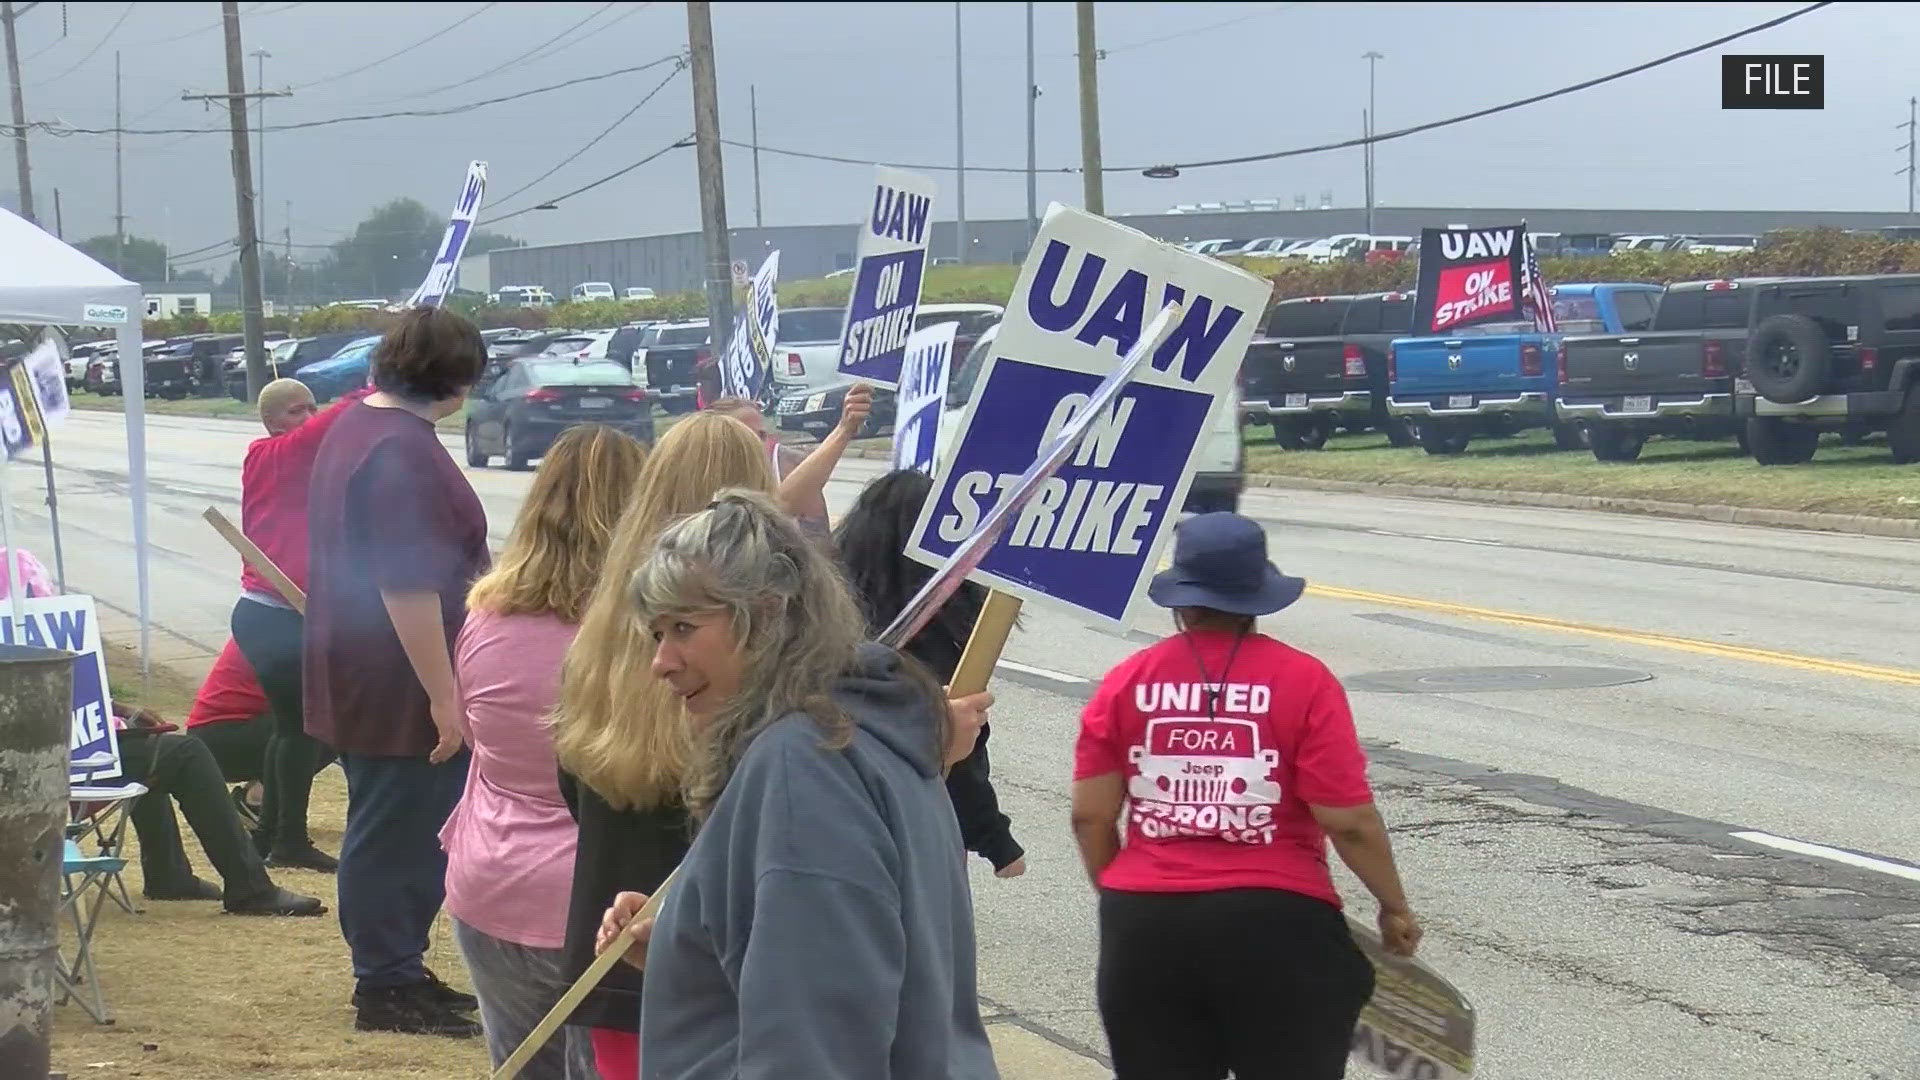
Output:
(1832, 354)
(1671, 374)
(1499, 378)
(1320, 363)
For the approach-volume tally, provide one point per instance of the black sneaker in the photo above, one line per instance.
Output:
(276, 901)
(303, 857)
(443, 994)
(409, 1010)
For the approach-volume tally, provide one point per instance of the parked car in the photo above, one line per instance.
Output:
(807, 354)
(524, 343)
(523, 296)
(290, 356)
(519, 412)
(237, 356)
(1320, 363)
(594, 290)
(639, 292)
(1671, 373)
(1496, 378)
(341, 372)
(673, 355)
(1830, 354)
(1220, 474)
(1267, 247)
(816, 411)
(591, 345)
(79, 356)
(624, 343)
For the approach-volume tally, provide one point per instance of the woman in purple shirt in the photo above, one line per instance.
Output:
(510, 842)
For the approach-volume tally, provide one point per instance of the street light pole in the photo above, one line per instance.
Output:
(960, 141)
(1373, 124)
(1033, 93)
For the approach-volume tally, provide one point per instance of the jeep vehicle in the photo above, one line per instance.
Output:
(1832, 354)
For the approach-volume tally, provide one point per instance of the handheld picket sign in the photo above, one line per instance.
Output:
(70, 622)
(1417, 1025)
(922, 396)
(891, 260)
(446, 263)
(1088, 538)
(251, 554)
(747, 368)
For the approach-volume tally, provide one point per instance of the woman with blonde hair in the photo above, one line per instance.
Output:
(510, 841)
(821, 924)
(621, 734)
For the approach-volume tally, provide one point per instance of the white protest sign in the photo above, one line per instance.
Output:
(922, 396)
(69, 622)
(891, 263)
(46, 379)
(748, 368)
(1091, 536)
(439, 281)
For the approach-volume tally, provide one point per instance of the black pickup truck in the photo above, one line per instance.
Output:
(1320, 363)
(1832, 354)
(1670, 374)
(675, 356)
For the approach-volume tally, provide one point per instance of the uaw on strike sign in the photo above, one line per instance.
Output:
(892, 261)
(1468, 276)
(1093, 532)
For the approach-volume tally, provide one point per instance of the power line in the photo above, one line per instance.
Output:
(680, 145)
(923, 166)
(91, 53)
(1275, 10)
(249, 12)
(481, 10)
(495, 69)
(661, 85)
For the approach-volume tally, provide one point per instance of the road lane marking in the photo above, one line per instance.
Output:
(1902, 676)
(1045, 673)
(1821, 851)
(1442, 539)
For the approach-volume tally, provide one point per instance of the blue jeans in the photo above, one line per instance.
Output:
(393, 874)
(516, 985)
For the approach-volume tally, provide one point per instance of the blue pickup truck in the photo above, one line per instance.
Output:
(1499, 378)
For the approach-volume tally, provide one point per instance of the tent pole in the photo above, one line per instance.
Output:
(15, 587)
(53, 510)
(133, 384)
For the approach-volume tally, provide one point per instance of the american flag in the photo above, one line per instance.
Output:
(1537, 289)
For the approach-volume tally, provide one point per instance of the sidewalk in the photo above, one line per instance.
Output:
(1023, 1054)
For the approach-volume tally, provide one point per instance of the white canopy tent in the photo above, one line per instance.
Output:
(47, 283)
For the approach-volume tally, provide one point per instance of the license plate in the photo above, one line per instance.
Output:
(1743, 386)
(816, 403)
(594, 402)
(1460, 401)
(1642, 403)
(1296, 401)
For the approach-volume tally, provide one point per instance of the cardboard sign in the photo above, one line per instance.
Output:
(69, 622)
(42, 375)
(439, 281)
(1090, 538)
(891, 263)
(1417, 1026)
(19, 420)
(1468, 276)
(747, 369)
(922, 396)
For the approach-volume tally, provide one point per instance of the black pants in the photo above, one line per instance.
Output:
(1262, 982)
(178, 769)
(983, 828)
(269, 637)
(393, 872)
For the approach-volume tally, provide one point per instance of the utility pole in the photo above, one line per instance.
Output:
(287, 238)
(236, 98)
(9, 15)
(119, 192)
(260, 139)
(753, 103)
(960, 140)
(1096, 197)
(59, 224)
(1373, 59)
(713, 191)
(1912, 122)
(1033, 95)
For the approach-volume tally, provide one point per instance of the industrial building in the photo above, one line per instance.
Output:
(674, 262)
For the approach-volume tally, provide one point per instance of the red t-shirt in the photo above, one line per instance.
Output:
(388, 510)
(1221, 802)
(231, 693)
(273, 496)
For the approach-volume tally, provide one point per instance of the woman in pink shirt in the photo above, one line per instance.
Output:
(510, 842)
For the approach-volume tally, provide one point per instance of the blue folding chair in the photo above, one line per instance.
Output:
(86, 883)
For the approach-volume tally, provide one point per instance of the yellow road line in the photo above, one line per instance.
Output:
(1902, 676)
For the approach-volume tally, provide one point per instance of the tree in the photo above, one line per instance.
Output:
(388, 253)
(136, 259)
(483, 241)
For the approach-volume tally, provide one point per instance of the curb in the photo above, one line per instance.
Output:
(1815, 521)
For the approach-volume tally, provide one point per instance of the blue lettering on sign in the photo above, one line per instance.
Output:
(900, 215)
(886, 292)
(1085, 537)
(68, 629)
(1121, 314)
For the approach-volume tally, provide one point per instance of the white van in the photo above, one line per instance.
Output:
(1219, 475)
(640, 292)
(594, 290)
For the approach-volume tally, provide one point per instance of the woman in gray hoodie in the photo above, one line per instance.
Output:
(821, 925)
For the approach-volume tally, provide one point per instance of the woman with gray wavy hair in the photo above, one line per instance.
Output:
(821, 924)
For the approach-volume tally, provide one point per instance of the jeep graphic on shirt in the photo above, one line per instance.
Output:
(1203, 778)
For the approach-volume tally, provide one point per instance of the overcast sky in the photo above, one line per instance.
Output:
(1183, 81)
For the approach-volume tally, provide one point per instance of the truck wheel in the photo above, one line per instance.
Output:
(1612, 442)
(1442, 439)
(1776, 442)
(1903, 431)
(1789, 358)
(1399, 432)
(1293, 433)
(1569, 437)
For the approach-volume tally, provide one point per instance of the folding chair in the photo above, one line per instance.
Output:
(86, 882)
(98, 817)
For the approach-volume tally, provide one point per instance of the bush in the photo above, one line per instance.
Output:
(341, 319)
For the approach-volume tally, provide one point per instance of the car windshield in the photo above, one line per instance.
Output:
(567, 345)
(816, 324)
(1572, 308)
(679, 335)
(589, 374)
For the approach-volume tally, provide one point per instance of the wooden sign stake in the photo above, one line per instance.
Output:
(250, 552)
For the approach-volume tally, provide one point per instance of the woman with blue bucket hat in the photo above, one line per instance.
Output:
(1234, 759)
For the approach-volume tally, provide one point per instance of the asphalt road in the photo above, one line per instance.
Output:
(1618, 875)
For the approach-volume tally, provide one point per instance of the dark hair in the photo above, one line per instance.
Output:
(431, 354)
(872, 541)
